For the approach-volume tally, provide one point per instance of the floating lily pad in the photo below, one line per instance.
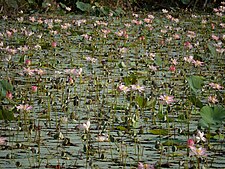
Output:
(195, 82)
(212, 116)
(159, 131)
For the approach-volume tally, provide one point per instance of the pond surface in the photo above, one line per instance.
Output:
(112, 72)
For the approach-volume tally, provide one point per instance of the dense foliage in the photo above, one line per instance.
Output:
(13, 6)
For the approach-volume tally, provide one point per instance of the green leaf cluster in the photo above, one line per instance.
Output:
(85, 7)
(96, 8)
(130, 80)
(195, 83)
(4, 87)
(6, 114)
(212, 117)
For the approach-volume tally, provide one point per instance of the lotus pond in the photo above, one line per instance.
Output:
(136, 91)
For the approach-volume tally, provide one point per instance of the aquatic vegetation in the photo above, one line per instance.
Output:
(138, 91)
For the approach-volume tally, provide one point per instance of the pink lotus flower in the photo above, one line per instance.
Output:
(199, 152)
(197, 63)
(39, 71)
(222, 25)
(167, 99)
(34, 88)
(28, 71)
(54, 44)
(188, 45)
(176, 36)
(70, 80)
(9, 95)
(23, 48)
(165, 11)
(216, 38)
(8, 33)
(25, 107)
(172, 68)
(2, 140)
(68, 8)
(153, 68)
(190, 142)
(76, 72)
(86, 36)
(11, 51)
(212, 99)
(32, 19)
(122, 33)
(28, 62)
(215, 86)
(123, 88)
(137, 22)
(147, 20)
(151, 16)
(105, 32)
(140, 165)
(189, 59)
(174, 61)
(102, 138)
(119, 33)
(123, 50)
(200, 136)
(90, 59)
(145, 166)
(84, 126)
(135, 15)
(191, 34)
(141, 38)
(137, 88)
